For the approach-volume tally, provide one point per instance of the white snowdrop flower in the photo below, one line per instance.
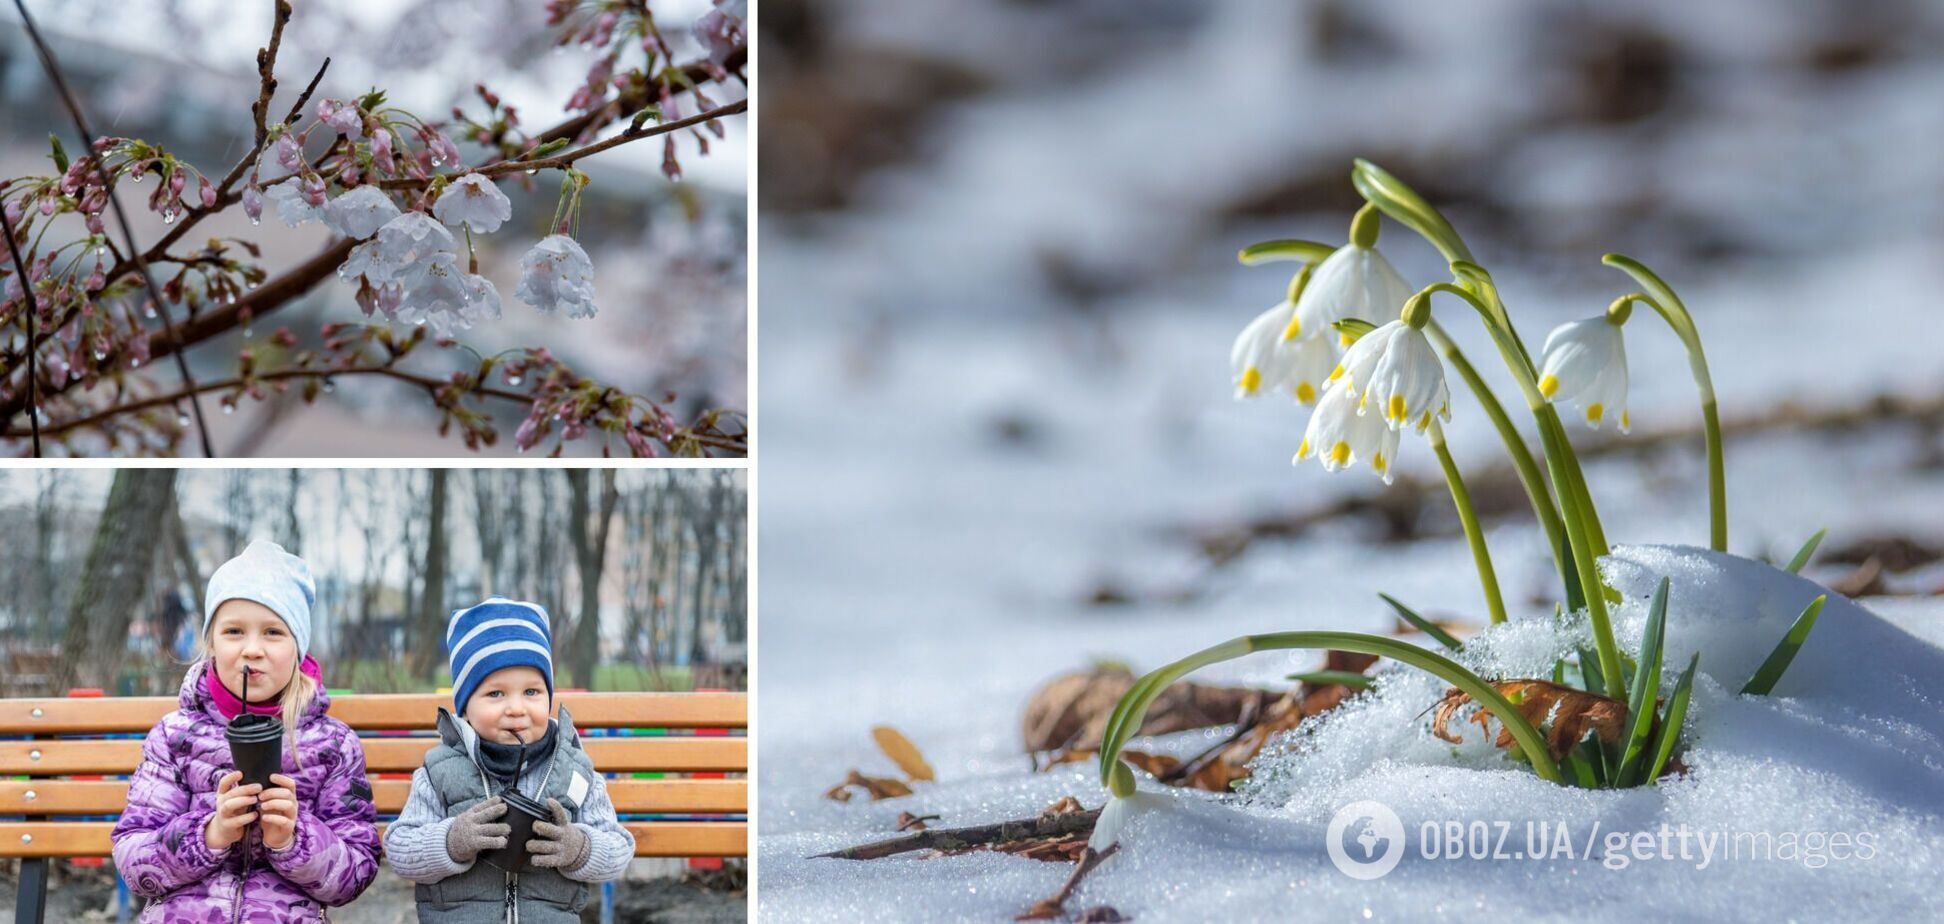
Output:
(1269, 357)
(292, 208)
(474, 200)
(1354, 282)
(1115, 815)
(557, 274)
(412, 237)
(359, 213)
(1586, 363)
(1395, 367)
(1340, 437)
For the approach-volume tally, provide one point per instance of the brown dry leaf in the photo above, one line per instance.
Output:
(1159, 766)
(1047, 849)
(1066, 757)
(1220, 769)
(1067, 805)
(1070, 713)
(1102, 914)
(1572, 713)
(876, 787)
(901, 751)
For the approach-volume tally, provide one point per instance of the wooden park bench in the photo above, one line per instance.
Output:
(55, 744)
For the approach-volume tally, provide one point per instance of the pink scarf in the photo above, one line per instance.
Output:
(231, 705)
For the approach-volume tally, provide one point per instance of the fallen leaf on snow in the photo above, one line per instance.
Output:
(1572, 713)
(876, 787)
(1070, 713)
(900, 749)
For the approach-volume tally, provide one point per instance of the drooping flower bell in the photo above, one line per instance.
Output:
(1340, 437)
(556, 274)
(1354, 282)
(1586, 363)
(1394, 372)
(1269, 357)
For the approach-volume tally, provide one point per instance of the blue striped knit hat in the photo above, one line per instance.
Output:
(496, 634)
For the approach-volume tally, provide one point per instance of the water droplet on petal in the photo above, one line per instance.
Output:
(514, 380)
(330, 385)
(249, 332)
(229, 409)
(532, 170)
(101, 250)
(182, 420)
(100, 355)
(168, 218)
(256, 221)
(138, 178)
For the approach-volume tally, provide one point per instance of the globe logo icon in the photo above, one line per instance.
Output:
(1365, 840)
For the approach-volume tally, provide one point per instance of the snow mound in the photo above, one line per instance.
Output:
(1821, 801)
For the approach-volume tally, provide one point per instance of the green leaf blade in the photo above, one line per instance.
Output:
(1422, 624)
(1778, 661)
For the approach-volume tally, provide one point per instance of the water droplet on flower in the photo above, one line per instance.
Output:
(532, 170)
(256, 221)
(135, 362)
(229, 298)
(513, 380)
(138, 178)
(249, 332)
(330, 385)
(148, 311)
(100, 355)
(168, 217)
(420, 322)
(182, 420)
(229, 409)
(252, 285)
(101, 250)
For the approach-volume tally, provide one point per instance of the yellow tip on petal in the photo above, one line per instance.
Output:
(1306, 393)
(1549, 386)
(1303, 450)
(1397, 411)
(1380, 463)
(1295, 328)
(1251, 380)
(1625, 421)
(1345, 339)
(1340, 453)
(1336, 373)
(1594, 412)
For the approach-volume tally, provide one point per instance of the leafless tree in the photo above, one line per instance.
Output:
(117, 579)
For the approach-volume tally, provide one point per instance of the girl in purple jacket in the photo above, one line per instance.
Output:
(200, 846)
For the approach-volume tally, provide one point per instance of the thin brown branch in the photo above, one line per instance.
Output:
(1054, 905)
(1019, 829)
(568, 158)
(267, 73)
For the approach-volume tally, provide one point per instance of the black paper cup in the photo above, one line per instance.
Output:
(521, 813)
(256, 747)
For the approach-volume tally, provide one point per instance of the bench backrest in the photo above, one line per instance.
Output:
(630, 734)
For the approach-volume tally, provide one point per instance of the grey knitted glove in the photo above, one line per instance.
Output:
(474, 831)
(561, 845)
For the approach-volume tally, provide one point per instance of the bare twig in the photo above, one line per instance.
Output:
(568, 158)
(121, 216)
(23, 277)
(1021, 829)
(267, 72)
(1051, 906)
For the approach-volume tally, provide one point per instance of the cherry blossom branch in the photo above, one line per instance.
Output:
(568, 158)
(121, 217)
(266, 74)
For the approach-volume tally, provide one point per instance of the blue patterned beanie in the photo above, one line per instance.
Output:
(496, 634)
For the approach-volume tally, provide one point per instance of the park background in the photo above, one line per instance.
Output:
(643, 571)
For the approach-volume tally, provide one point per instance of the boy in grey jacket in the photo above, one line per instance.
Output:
(502, 679)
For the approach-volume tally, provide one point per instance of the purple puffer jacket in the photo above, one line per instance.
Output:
(159, 846)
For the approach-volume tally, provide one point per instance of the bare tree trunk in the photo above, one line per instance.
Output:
(292, 534)
(590, 540)
(428, 644)
(707, 533)
(491, 524)
(46, 523)
(117, 578)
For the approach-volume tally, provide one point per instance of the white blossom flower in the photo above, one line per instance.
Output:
(1586, 363)
(359, 213)
(437, 292)
(474, 200)
(293, 205)
(1269, 357)
(364, 261)
(1396, 366)
(412, 237)
(557, 274)
(1353, 282)
(1340, 437)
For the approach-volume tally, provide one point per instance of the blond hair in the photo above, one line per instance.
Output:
(296, 698)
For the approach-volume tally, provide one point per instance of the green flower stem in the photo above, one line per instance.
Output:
(1583, 564)
(1669, 306)
(1515, 446)
(1468, 518)
(1132, 709)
